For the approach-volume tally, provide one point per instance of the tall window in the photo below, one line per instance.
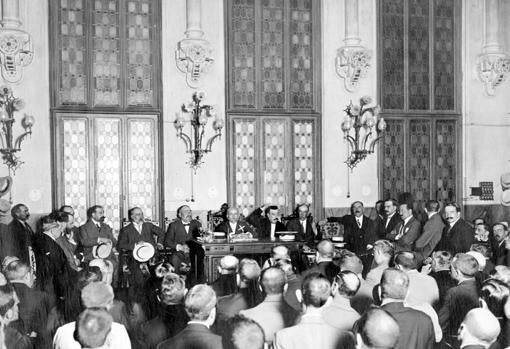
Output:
(273, 106)
(106, 105)
(419, 88)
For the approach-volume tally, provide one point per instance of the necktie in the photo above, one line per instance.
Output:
(359, 223)
(98, 226)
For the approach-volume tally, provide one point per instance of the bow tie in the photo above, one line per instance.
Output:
(186, 225)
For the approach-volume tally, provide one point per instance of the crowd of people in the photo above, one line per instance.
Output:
(396, 281)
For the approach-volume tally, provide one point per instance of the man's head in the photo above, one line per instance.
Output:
(273, 281)
(67, 209)
(390, 207)
(351, 262)
(243, 333)
(20, 212)
(452, 212)
(495, 294)
(19, 272)
(405, 211)
(383, 252)
(280, 252)
(233, 215)
(9, 310)
(249, 271)
(200, 304)
(394, 284)
(96, 212)
(325, 251)
(377, 329)
(51, 226)
(173, 289)
(479, 258)
(272, 213)
(357, 208)
(97, 294)
(315, 290)
(136, 215)
(463, 266)
(405, 261)
(228, 265)
(480, 327)
(432, 206)
(379, 207)
(346, 284)
(302, 211)
(184, 213)
(441, 260)
(93, 327)
(500, 232)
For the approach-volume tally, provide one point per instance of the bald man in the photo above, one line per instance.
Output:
(479, 329)
(324, 261)
(339, 313)
(233, 225)
(377, 329)
(273, 314)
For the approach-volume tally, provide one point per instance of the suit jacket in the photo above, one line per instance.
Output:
(273, 314)
(88, 235)
(53, 272)
(499, 253)
(459, 300)
(15, 239)
(340, 314)
(416, 329)
(357, 238)
(422, 289)
(383, 230)
(193, 336)
(172, 320)
(444, 282)
(457, 239)
(176, 233)
(129, 236)
(412, 231)
(262, 224)
(241, 227)
(311, 332)
(303, 235)
(69, 250)
(430, 237)
(328, 269)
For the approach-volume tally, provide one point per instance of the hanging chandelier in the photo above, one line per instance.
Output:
(199, 114)
(362, 128)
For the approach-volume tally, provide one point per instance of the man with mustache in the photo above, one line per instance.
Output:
(94, 232)
(458, 235)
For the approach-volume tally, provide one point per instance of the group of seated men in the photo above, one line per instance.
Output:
(397, 284)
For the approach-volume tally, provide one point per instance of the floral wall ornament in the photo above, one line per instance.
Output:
(9, 147)
(16, 50)
(362, 128)
(194, 54)
(352, 64)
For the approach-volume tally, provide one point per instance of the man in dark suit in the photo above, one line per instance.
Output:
(499, 238)
(432, 230)
(183, 231)
(458, 235)
(138, 231)
(406, 232)
(359, 230)
(305, 225)
(200, 305)
(324, 261)
(439, 269)
(17, 238)
(94, 232)
(416, 329)
(232, 225)
(391, 219)
(459, 299)
(266, 225)
(479, 329)
(34, 305)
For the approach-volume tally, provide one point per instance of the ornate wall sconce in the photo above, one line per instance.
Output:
(9, 147)
(493, 65)
(194, 54)
(16, 49)
(352, 60)
(199, 113)
(368, 129)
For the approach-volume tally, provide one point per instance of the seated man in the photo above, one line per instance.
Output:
(479, 329)
(324, 261)
(383, 254)
(226, 282)
(273, 313)
(200, 305)
(182, 231)
(93, 328)
(138, 230)
(304, 224)
(406, 232)
(377, 329)
(266, 225)
(233, 226)
(243, 333)
(339, 313)
(278, 252)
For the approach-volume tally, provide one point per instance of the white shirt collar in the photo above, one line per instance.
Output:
(390, 216)
(407, 219)
(454, 222)
(51, 236)
(196, 322)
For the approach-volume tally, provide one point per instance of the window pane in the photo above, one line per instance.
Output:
(75, 167)
(444, 56)
(142, 167)
(244, 165)
(304, 151)
(446, 159)
(72, 51)
(275, 163)
(419, 160)
(108, 169)
(393, 162)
